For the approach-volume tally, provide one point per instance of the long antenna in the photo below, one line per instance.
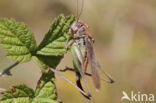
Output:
(77, 9)
(81, 9)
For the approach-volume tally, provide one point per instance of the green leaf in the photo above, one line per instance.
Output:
(23, 94)
(47, 61)
(18, 91)
(18, 100)
(18, 94)
(17, 40)
(56, 38)
(49, 54)
(46, 88)
(45, 100)
(47, 91)
(51, 50)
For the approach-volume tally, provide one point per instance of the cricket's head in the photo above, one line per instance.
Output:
(76, 26)
(80, 29)
(85, 26)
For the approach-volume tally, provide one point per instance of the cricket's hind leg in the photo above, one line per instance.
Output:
(110, 78)
(79, 89)
(78, 83)
(87, 74)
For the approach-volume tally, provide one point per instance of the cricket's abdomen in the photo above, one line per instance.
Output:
(78, 55)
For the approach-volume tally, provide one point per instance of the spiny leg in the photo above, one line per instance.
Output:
(87, 74)
(78, 82)
(55, 71)
(111, 80)
(71, 69)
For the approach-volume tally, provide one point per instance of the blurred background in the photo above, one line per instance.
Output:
(124, 32)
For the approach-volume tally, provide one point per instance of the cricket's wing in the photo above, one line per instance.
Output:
(77, 59)
(93, 63)
(78, 62)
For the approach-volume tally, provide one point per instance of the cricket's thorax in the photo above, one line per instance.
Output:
(78, 29)
(81, 44)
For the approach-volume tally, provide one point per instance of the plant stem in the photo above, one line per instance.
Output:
(7, 70)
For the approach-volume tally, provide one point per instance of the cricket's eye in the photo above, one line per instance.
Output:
(79, 25)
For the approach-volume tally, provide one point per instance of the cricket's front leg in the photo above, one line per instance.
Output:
(69, 43)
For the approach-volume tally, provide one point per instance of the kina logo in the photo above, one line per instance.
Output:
(137, 97)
